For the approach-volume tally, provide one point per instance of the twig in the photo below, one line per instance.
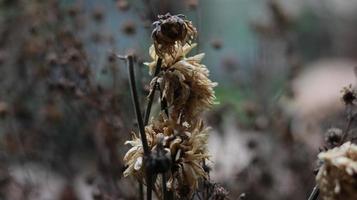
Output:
(347, 129)
(134, 94)
(314, 194)
(152, 93)
(135, 98)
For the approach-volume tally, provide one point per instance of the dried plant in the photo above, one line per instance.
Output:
(337, 175)
(173, 144)
(184, 83)
(171, 30)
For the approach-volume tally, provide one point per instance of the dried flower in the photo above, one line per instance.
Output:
(333, 137)
(185, 84)
(178, 143)
(219, 193)
(337, 175)
(186, 146)
(348, 95)
(171, 30)
(188, 149)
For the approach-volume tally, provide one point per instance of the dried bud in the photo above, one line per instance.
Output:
(170, 30)
(333, 137)
(219, 193)
(348, 95)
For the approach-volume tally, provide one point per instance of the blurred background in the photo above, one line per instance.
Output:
(66, 111)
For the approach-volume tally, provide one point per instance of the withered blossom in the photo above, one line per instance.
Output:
(170, 30)
(333, 137)
(348, 95)
(185, 83)
(178, 140)
(186, 146)
(337, 175)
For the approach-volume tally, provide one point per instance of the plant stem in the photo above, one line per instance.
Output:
(347, 129)
(134, 94)
(146, 120)
(163, 103)
(314, 194)
(164, 189)
(152, 93)
(141, 190)
(149, 180)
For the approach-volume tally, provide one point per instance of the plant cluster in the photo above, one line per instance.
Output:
(336, 175)
(174, 143)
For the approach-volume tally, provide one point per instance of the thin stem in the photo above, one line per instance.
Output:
(149, 177)
(314, 194)
(149, 180)
(134, 94)
(347, 129)
(141, 190)
(163, 104)
(164, 189)
(152, 93)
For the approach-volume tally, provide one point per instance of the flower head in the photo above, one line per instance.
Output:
(185, 83)
(171, 30)
(185, 146)
(189, 149)
(348, 95)
(337, 176)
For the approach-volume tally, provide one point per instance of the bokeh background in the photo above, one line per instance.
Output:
(65, 109)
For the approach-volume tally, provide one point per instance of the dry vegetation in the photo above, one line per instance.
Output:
(91, 113)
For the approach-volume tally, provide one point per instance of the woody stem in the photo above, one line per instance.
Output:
(134, 94)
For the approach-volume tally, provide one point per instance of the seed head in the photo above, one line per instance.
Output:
(333, 137)
(348, 95)
(170, 30)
